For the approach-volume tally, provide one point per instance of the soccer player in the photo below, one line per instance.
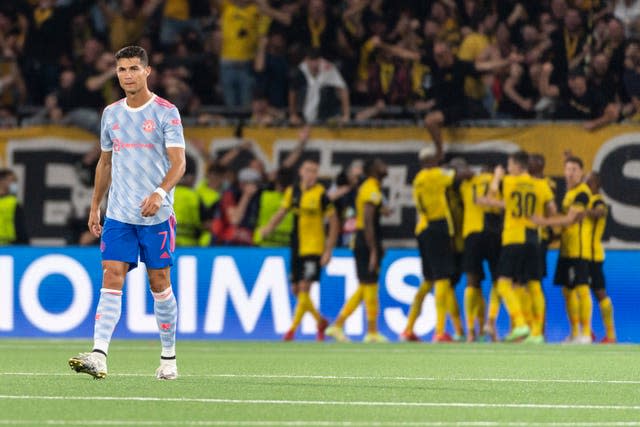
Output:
(142, 159)
(434, 233)
(596, 221)
(522, 197)
(310, 205)
(367, 251)
(572, 271)
(481, 231)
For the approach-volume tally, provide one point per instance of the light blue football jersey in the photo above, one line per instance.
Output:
(139, 138)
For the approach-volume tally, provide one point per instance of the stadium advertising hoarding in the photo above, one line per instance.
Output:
(55, 186)
(243, 293)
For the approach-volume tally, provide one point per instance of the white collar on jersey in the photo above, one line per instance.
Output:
(142, 107)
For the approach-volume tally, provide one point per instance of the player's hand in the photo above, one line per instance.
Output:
(537, 220)
(325, 258)
(373, 261)
(94, 222)
(151, 204)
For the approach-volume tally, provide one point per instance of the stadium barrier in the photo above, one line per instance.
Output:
(243, 293)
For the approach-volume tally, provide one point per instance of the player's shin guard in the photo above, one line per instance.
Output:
(522, 292)
(471, 307)
(573, 310)
(538, 307)
(586, 308)
(442, 287)
(454, 311)
(165, 308)
(370, 296)
(107, 316)
(416, 305)
(349, 307)
(606, 311)
(511, 301)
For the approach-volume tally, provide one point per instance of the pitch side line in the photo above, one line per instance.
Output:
(349, 378)
(303, 423)
(325, 402)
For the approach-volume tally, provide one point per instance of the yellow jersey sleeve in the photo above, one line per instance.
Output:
(287, 198)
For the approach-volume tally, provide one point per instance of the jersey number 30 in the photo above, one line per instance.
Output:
(524, 204)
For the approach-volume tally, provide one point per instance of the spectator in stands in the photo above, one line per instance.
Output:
(603, 80)
(628, 11)
(631, 77)
(579, 101)
(272, 67)
(188, 208)
(48, 45)
(13, 91)
(68, 105)
(236, 219)
(263, 113)
(13, 229)
(568, 45)
(242, 23)
(127, 22)
(318, 89)
(100, 86)
(316, 28)
(181, 16)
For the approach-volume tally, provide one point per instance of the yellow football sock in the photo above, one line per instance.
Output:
(606, 311)
(538, 307)
(471, 307)
(350, 306)
(416, 305)
(303, 297)
(454, 311)
(525, 303)
(370, 296)
(494, 304)
(573, 310)
(511, 301)
(301, 308)
(480, 307)
(586, 308)
(442, 287)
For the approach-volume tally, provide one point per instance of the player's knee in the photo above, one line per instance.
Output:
(113, 278)
(159, 280)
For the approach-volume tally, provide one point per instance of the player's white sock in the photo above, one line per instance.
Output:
(165, 308)
(107, 316)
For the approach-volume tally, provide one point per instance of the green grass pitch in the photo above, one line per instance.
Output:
(310, 384)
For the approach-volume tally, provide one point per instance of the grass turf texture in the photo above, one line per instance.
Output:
(309, 384)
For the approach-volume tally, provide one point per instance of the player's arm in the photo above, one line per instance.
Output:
(370, 235)
(573, 216)
(599, 210)
(102, 182)
(275, 220)
(151, 204)
(332, 237)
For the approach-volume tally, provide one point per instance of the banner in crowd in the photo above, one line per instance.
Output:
(243, 293)
(55, 180)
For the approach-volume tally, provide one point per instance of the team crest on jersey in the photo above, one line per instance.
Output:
(148, 125)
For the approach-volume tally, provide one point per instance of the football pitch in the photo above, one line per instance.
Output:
(312, 384)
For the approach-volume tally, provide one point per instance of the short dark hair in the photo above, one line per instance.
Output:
(5, 173)
(133, 52)
(371, 165)
(574, 159)
(521, 158)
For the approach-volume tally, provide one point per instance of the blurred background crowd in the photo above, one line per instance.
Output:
(277, 62)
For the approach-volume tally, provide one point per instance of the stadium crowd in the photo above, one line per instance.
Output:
(289, 61)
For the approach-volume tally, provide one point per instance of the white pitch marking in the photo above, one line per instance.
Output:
(325, 402)
(351, 378)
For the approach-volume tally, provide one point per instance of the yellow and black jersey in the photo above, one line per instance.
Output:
(369, 192)
(524, 196)
(574, 243)
(457, 217)
(594, 228)
(241, 29)
(430, 195)
(545, 232)
(309, 208)
(478, 218)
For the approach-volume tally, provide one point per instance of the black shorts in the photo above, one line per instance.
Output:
(479, 247)
(519, 262)
(596, 274)
(305, 268)
(457, 268)
(436, 251)
(571, 272)
(361, 254)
